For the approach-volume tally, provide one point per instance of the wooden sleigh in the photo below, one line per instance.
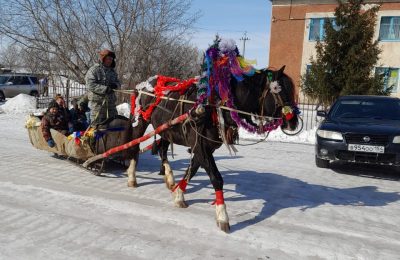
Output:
(64, 146)
(82, 152)
(76, 151)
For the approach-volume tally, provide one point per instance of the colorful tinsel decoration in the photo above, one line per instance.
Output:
(222, 60)
(81, 136)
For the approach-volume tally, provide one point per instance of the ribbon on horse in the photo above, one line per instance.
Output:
(162, 88)
(219, 198)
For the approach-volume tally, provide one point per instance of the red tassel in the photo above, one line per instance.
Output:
(219, 197)
(182, 185)
(289, 116)
(133, 104)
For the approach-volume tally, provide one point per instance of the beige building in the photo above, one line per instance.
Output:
(296, 26)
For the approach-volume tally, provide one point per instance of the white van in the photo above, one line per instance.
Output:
(12, 85)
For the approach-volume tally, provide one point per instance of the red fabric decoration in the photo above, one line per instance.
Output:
(182, 185)
(77, 141)
(289, 116)
(133, 104)
(161, 87)
(219, 197)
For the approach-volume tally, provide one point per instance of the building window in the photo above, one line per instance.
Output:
(317, 30)
(390, 77)
(308, 68)
(390, 28)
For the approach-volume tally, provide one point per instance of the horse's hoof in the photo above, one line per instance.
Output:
(181, 204)
(224, 226)
(132, 184)
(179, 199)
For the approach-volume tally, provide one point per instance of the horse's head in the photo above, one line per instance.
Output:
(267, 93)
(278, 98)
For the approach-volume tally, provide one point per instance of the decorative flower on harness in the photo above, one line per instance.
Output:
(275, 87)
(287, 111)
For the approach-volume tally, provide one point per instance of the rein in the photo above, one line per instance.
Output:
(181, 100)
(193, 102)
(221, 142)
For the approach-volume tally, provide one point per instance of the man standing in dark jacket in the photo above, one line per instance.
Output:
(101, 80)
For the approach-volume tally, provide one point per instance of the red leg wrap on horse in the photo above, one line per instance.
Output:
(219, 197)
(182, 185)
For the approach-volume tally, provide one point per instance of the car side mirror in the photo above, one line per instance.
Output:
(321, 113)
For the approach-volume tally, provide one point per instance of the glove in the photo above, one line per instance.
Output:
(51, 143)
(113, 85)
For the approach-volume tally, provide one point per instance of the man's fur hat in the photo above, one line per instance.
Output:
(106, 52)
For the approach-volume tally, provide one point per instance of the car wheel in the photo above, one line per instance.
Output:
(34, 93)
(321, 163)
(2, 96)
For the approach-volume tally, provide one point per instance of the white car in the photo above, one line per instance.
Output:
(12, 85)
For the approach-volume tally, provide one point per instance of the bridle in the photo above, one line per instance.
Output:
(277, 97)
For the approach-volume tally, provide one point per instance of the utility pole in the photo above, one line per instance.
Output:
(244, 39)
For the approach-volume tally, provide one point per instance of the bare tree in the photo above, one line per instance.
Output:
(10, 58)
(64, 36)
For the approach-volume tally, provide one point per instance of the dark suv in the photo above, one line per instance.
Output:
(362, 129)
(12, 85)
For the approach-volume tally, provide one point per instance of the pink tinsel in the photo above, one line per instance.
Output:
(268, 127)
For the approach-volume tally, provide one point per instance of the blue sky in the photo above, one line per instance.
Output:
(230, 19)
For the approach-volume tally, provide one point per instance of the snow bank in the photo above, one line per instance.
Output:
(20, 104)
(277, 135)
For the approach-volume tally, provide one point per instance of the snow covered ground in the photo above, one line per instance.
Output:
(280, 205)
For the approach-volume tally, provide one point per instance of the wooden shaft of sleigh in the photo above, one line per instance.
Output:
(136, 141)
(149, 147)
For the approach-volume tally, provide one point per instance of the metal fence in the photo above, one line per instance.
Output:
(69, 90)
(309, 110)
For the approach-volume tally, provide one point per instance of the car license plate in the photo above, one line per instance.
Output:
(366, 148)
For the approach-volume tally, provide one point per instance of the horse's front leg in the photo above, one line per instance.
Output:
(165, 166)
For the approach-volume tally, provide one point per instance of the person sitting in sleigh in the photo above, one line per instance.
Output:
(53, 119)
